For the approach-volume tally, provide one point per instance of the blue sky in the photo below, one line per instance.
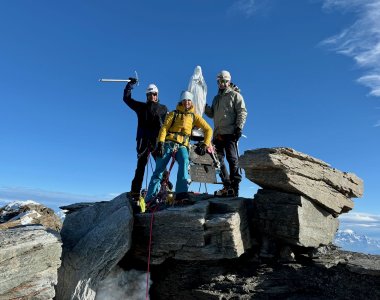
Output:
(309, 71)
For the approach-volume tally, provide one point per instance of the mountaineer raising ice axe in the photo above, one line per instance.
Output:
(150, 117)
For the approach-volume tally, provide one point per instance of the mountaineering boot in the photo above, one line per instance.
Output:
(226, 191)
(141, 204)
(183, 199)
(137, 201)
(236, 190)
(170, 199)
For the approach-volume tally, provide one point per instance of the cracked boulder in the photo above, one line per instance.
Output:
(208, 230)
(293, 219)
(287, 170)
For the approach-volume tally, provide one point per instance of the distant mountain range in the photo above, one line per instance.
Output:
(349, 240)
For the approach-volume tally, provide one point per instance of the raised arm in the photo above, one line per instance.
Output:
(127, 98)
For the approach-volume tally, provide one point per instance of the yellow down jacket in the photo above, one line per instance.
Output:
(179, 131)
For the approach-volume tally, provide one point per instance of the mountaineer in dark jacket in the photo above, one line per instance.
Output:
(150, 116)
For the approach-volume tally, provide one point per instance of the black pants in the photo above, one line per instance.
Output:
(144, 148)
(226, 146)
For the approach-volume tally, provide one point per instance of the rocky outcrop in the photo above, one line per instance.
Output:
(293, 219)
(334, 274)
(274, 246)
(211, 229)
(300, 199)
(29, 259)
(290, 171)
(95, 238)
(28, 212)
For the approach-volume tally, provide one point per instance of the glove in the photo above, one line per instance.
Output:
(237, 133)
(201, 149)
(131, 83)
(160, 149)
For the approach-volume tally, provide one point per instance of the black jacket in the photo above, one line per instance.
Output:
(150, 117)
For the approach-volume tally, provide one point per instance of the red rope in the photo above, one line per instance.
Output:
(149, 248)
(151, 230)
(170, 168)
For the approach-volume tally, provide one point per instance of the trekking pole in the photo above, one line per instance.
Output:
(238, 155)
(214, 157)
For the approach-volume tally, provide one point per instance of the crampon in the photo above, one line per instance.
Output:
(225, 192)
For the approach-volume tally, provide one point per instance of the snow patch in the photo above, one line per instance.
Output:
(16, 205)
(61, 214)
(351, 241)
(26, 217)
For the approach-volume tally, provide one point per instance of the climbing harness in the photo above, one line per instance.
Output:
(186, 137)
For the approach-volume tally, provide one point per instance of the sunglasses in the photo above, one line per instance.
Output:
(152, 94)
(223, 81)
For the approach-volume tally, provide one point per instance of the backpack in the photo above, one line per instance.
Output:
(176, 113)
(235, 87)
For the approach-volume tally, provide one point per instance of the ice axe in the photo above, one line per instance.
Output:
(136, 79)
(237, 149)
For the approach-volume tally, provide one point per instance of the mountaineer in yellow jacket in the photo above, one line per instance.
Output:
(174, 136)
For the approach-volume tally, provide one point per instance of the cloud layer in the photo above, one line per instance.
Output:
(246, 7)
(51, 199)
(362, 223)
(360, 41)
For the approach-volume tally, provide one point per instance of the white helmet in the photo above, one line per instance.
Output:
(224, 75)
(152, 88)
(186, 95)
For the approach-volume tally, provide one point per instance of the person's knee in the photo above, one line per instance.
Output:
(232, 160)
(157, 176)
